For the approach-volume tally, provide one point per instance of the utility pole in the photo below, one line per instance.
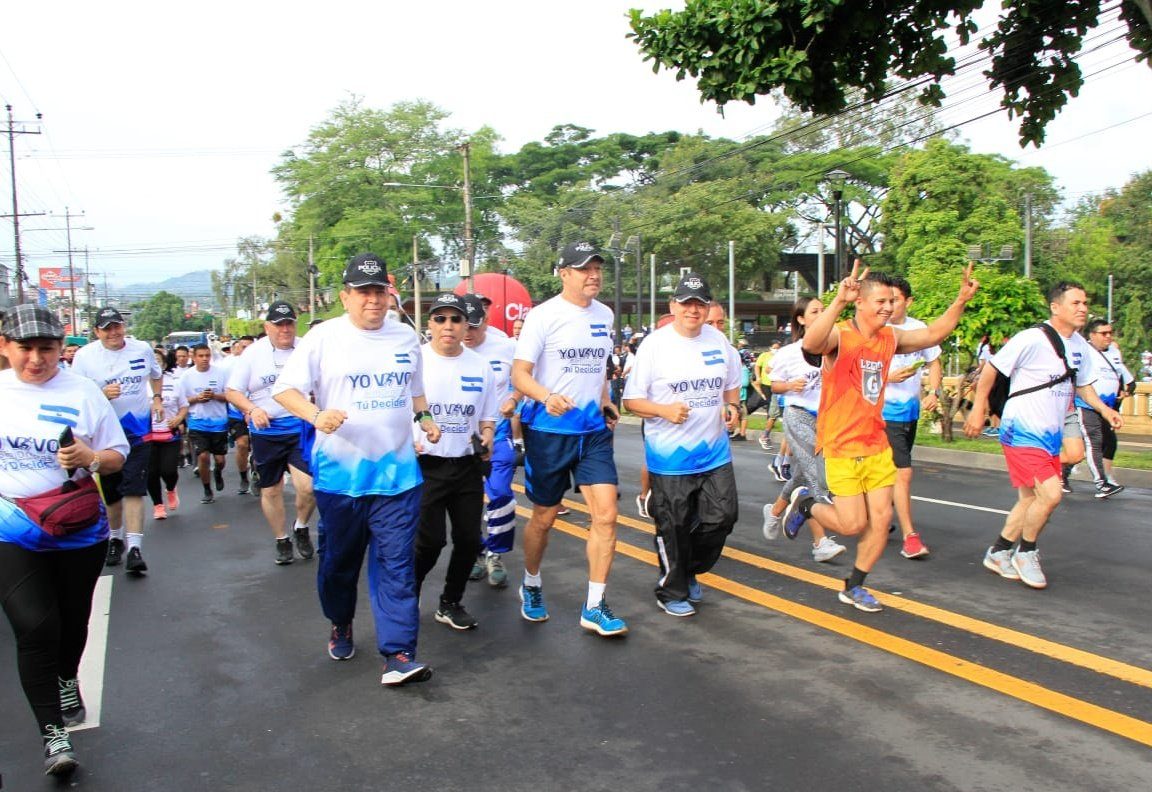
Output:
(416, 282)
(732, 291)
(1027, 235)
(88, 289)
(12, 133)
(311, 283)
(71, 270)
(469, 242)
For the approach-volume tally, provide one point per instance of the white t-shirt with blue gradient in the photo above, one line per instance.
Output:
(209, 416)
(132, 366)
(569, 346)
(789, 365)
(668, 368)
(1112, 376)
(253, 374)
(30, 425)
(460, 393)
(499, 351)
(1036, 420)
(372, 375)
(902, 399)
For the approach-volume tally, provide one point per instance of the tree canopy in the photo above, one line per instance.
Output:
(817, 52)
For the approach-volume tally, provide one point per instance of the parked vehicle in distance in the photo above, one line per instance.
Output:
(188, 338)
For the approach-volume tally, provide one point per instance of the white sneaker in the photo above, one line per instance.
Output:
(1027, 564)
(771, 523)
(642, 505)
(827, 549)
(1001, 563)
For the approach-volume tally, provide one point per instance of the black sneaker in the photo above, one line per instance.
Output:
(115, 552)
(454, 615)
(243, 487)
(135, 562)
(284, 551)
(58, 758)
(303, 542)
(1108, 489)
(71, 703)
(208, 496)
(1065, 486)
(219, 476)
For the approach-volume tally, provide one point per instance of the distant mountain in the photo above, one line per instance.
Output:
(191, 286)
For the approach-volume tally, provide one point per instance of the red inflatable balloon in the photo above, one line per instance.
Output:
(510, 300)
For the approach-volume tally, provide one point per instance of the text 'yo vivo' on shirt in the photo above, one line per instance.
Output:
(460, 395)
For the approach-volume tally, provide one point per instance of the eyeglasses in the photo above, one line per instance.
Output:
(442, 318)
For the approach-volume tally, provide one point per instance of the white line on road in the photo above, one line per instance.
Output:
(960, 505)
(95, 653)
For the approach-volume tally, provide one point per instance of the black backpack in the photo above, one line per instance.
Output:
(1000, 388)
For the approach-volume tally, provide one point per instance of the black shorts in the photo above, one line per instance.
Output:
(901, 436)
(273, 455)
(215, 443)
(237, 428)
(132, 479)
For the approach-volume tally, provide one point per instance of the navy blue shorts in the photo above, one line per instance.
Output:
(237, 428)
(553, 463)
(273, 455)
(130, 480)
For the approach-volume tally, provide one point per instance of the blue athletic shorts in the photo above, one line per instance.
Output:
(132, 479)
(555, 462)
(273, 455)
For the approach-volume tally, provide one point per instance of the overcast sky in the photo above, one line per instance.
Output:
(161, 122)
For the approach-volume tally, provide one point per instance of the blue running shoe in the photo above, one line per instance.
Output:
(861, 599)
(532, 604)
(340, 645)
(400, 668)
(695, 590)
(601, 620)
(676, 608)
(792, 519)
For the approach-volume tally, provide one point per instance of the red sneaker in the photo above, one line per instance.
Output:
(159, 513)
(173, 500)
(913, 547)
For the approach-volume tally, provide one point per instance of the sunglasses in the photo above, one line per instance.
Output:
(442, 318)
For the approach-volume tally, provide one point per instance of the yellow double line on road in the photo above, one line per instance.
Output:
(1006, 684)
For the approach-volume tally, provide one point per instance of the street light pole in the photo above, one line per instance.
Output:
(469, 242)
(837, 178)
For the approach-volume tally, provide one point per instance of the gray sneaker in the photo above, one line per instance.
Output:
(303, 542)
(284, 551)
(1027, 564)
(497, 577)
(479, 568)
(1001, 563)
(827, 549)
(771, 523)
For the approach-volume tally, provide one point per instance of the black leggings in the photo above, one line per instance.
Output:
(47, 597)
(163, 465)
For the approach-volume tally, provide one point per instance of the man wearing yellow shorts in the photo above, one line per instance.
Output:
(850, 426)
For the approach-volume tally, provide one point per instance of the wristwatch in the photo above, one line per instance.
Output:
(95, 466)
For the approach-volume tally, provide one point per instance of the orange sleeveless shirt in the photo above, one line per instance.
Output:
(849, 423)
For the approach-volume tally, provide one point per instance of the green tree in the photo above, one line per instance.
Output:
(161, 314)
(817, 52)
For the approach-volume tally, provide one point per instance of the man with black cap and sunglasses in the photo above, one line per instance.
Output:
(462, 397)
(366, 373)
(688, 409)
(125, 369)
(560, 365)
(277, 444)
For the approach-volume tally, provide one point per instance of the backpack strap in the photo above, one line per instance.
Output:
(1058, 345)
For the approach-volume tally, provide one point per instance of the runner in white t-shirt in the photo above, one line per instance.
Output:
(48, 574)
(1113, 377)
(798, 381)
(1031, 427)
(500, 503)
(462, 398)
(276, 435)
(560, 365)
(365, 373)
(203, 388)
(685, 384)
(902, 404)
(125, 369)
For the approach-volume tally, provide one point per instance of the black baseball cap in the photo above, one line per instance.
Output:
(692, 287)
(578, 255)
(486, 300)
(280, 311)
(30, 321)
(366, 269)
(448, 300)
(474, 309)
(108, 315)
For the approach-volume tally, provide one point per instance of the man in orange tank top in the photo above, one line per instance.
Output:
(850, 428)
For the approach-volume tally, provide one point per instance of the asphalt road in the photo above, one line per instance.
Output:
(216, 676)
